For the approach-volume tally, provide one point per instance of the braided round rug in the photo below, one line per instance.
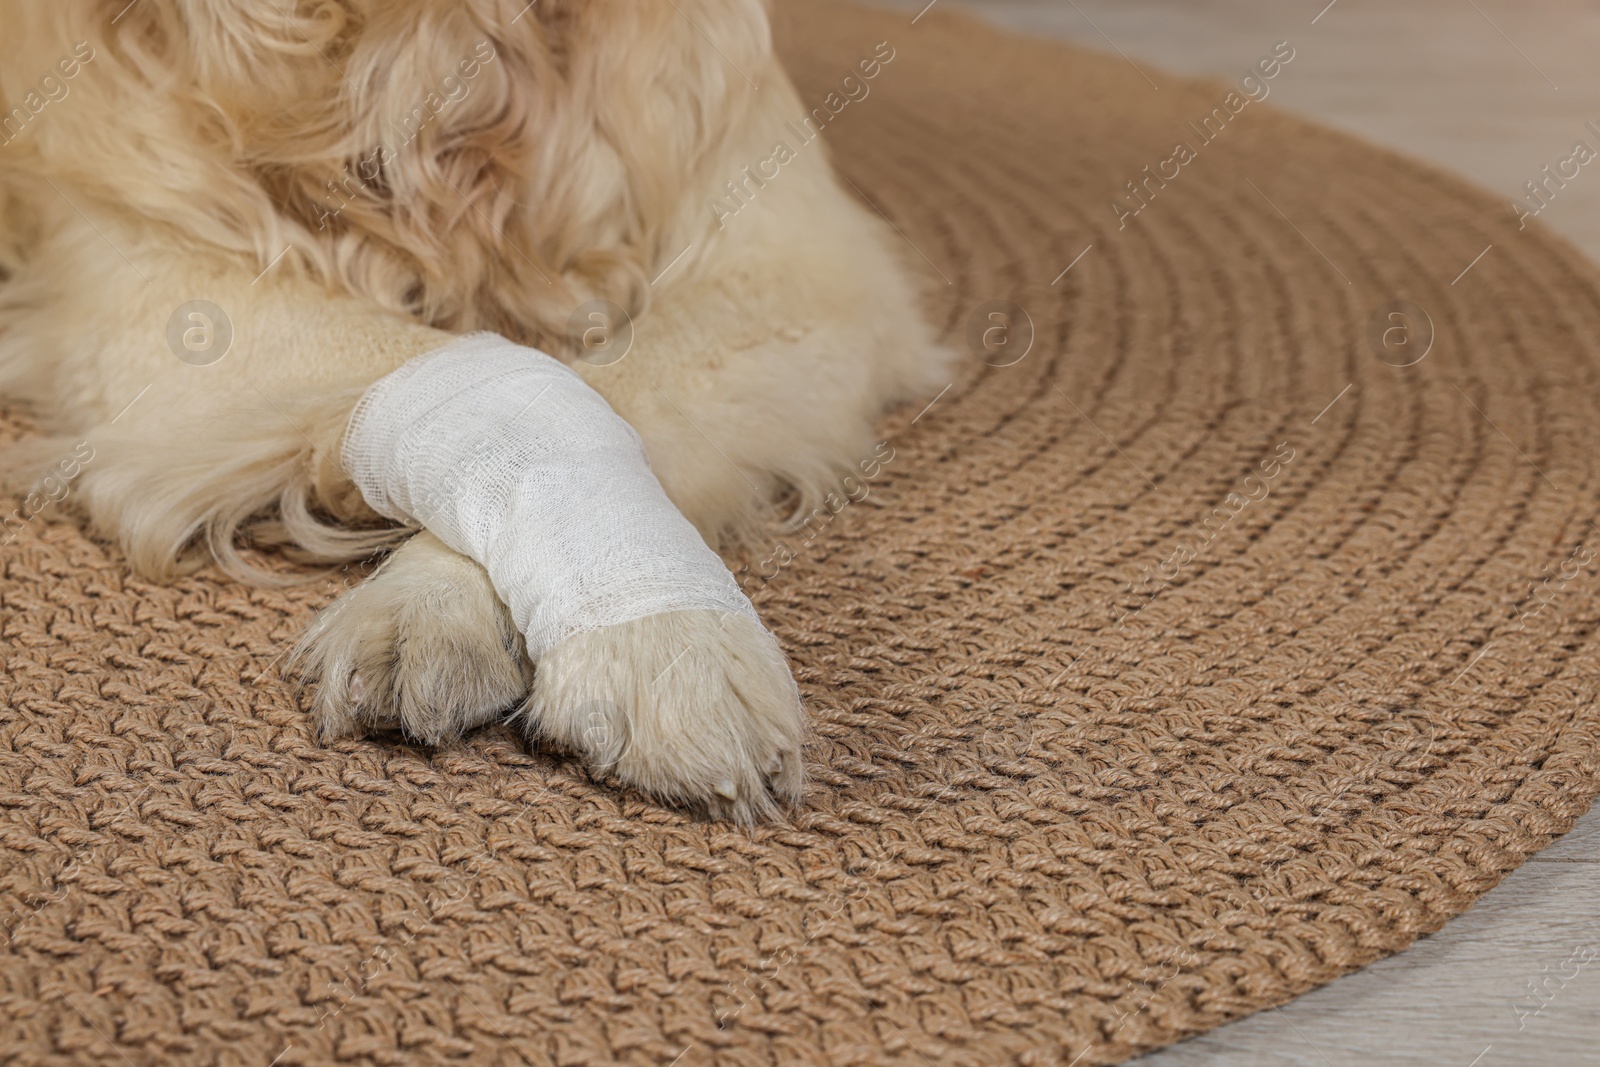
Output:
(1228, 623)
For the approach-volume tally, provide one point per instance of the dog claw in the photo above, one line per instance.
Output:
(727, 790)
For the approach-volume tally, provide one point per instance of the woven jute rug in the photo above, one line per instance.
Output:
(1214, 634)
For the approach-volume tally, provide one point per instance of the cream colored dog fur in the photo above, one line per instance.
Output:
(355, 181)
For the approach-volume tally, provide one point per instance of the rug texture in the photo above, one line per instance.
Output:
(1228, 623)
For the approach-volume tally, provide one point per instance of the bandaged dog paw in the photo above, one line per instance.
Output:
(652, 664)
(695, 707)
(423, 647)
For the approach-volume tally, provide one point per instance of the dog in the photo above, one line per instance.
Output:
(222, 220)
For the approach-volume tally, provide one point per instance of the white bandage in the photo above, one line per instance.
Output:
(510, 459)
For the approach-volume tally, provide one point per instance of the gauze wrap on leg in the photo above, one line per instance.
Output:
(510, 459)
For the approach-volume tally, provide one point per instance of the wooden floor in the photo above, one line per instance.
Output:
(1495, 90)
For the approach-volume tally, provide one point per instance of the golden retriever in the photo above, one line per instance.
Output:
(220, 220)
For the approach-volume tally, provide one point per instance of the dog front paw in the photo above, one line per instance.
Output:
(424, 646)
(694, 707)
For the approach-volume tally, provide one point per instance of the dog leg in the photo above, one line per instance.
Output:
(651, 661)
(189, 450)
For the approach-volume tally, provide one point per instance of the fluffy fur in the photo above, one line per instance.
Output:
(354, 181)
